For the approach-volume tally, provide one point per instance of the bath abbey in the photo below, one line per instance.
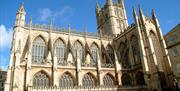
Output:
(119, 57)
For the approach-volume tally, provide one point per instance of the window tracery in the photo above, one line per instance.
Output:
(78, 51)
(135, 50)
(111, 54)
(108, 80)
(88, 81)
(41, 80)
(60, 52)
(124, 55)
(66, 81)
(38, 51)
(95, 52)
(109, 58)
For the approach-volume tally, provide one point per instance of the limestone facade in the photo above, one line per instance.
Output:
(133, 56)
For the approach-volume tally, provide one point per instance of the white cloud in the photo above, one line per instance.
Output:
(45, 13)
(5, 37)
(63, 14)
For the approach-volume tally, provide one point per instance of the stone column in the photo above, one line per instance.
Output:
(16, 78)
(79, 70)
(99, 73)
(28, 71)
(55, 77)
(118, 70)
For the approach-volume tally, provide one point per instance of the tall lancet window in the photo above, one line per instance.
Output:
(124, 55)
(41, 80)
(110, 52)
(78, 51)
(94, 53)
(159, 56)
(60, 52)
(38, 51)
(157, 47)
(135, 50)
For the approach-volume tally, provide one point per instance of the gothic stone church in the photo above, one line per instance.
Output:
(120, 57)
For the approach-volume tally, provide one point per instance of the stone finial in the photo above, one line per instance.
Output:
(98, 8)
(30, 24)
(153, 14)
(21, 9)
(141, 15)
(69, 28)
(70, 58)
(50, 25)
(88, 61)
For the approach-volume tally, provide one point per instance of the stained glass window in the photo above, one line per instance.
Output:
(60, 52)
(124, 55)
(121, 49)
(135, 50)
(95, 53)
(66, 81)
(108, 80)
(38, 51)
(157, 49)
(41, 80)
(88, 81)
(78, 51)
(110, 53)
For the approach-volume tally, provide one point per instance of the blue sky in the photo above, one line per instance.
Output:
(78, 13)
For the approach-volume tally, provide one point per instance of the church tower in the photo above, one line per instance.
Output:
(20, 17)
(111, 19)
(16, 51)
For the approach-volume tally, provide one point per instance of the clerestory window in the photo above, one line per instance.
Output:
(38, 51)
(60, 52)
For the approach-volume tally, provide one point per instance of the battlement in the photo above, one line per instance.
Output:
(63, 30)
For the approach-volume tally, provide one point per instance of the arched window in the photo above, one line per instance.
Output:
(157, 48)
(41, 80)
(110, 52)
(108, 80)
(78, 51)
(38, 51)
(135, 50)
(124, 55)
(159, 56)
(121, 49)
(66, 81)
(140, 78)
(88, 81)
(126, 79)
(60, 52)
(95, 53)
